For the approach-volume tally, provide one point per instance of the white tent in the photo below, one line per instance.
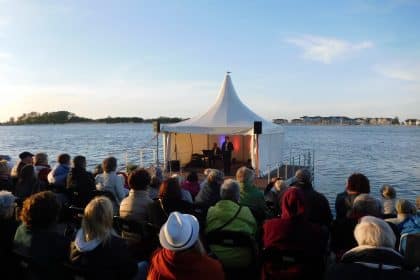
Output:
(228, 116)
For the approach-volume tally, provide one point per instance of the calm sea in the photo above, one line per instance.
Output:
(385, 154)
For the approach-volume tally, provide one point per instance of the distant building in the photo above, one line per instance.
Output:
(361, 121)
(412, 122)
(297, 121)
(280, 121)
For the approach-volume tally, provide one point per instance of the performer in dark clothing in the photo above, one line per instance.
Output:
(214, 155)
(227, 148)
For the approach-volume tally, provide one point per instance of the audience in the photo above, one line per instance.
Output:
(111, 182)
(27, 183)
(5, 179)
(80, 182)
(292, 234)
(97, 248)
(356, 184)
(183, 255)
(294, 243)
(186, 195)
(209, 195)
(153, 189)
(42, 168)
(250, 195)
(228, 215)
(8, 224)
(405, 209)
(170, 200)
(25, 158)
(388, 196)
(342, 238)
(273, 194)
(317, 207)
(134, 207)
(38, 237)
(58, 175)
(191, 184)
(374, 257)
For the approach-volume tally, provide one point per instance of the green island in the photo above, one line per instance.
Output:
(63, 117)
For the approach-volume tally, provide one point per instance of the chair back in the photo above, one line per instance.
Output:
(30, 269)
(289, 264)
(140, 231)
(411, 243)
(236, 240)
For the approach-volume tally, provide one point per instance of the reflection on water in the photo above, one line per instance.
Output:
(385, 154)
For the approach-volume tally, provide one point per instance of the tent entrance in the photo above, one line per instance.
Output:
(185, 146)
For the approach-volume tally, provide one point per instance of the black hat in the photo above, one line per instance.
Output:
(25, 155)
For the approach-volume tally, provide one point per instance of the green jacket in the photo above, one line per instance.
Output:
(217, 216)
(252, 197)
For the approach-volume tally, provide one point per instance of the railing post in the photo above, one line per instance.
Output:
(141, 158)
(126, 161)
(278, 170)
(286, 174)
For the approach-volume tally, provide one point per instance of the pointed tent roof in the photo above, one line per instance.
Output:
(228, 115)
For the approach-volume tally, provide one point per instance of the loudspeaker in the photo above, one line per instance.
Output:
(257, 127)
(174, 165)
(156, 126)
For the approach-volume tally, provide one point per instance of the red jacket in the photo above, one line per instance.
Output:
(185, 265)
(293, 233)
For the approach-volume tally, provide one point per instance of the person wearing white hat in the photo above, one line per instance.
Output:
(182, 255)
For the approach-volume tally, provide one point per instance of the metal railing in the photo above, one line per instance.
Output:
(286, 169)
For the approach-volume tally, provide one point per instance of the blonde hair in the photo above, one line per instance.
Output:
(388, 192)
(375, 232)
(245, 175)
(97, 219)
(404, 206)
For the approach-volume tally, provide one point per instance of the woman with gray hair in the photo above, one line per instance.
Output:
(374, 257)
(251, 196)
(209, 195)
(228, 215)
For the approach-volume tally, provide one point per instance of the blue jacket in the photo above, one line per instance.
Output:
(58, 175)
(409, 226)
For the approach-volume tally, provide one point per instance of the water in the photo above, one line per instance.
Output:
(384, 154)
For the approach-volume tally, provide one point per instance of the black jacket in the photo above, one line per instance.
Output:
(370, 263)
(81, 183)
(109, 260)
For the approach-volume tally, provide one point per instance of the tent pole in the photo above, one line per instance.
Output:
(257, 157)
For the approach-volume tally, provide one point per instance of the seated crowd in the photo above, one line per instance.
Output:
(65, 222)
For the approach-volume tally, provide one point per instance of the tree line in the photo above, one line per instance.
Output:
(63, 117)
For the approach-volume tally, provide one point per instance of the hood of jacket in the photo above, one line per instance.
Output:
(85, 246)
(293, 204)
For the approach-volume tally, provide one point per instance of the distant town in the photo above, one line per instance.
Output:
(339, 120)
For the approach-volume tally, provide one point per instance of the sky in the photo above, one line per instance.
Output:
(168, 58)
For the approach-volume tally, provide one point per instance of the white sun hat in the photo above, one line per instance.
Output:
(180, 232)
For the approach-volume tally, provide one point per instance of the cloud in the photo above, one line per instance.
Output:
(324, 49)
(400, 71)
(5, 55)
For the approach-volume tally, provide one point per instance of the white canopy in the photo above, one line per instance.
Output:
(227, 116)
